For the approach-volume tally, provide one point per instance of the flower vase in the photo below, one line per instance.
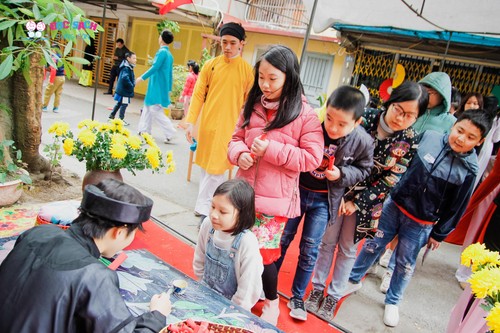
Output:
(93, 177)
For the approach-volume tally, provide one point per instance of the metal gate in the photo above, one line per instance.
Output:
(373, 67)
(108, 48)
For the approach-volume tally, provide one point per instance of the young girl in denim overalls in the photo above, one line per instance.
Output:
(227, 256)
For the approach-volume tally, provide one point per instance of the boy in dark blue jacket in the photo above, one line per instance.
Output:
(347, 160)
(125, 86)
(426, 204)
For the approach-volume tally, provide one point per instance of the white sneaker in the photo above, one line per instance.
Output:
(386, 257)
(271, 311)
(391, 315)
(386, 281)
(352, 287)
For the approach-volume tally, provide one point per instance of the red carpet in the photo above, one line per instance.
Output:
(180, 255)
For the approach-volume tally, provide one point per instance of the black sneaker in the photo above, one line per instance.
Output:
(297, 308)
(107, 93)
(327, 308)
(314, 300)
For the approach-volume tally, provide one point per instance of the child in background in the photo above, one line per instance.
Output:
(277, 136)
(56, 82)
(187, 92)
(472, 100)
(426, 204)
(347, 160)
(125, 86)
(394, 138)
(227, 257)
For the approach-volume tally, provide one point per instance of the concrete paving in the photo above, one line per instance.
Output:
(428, 300)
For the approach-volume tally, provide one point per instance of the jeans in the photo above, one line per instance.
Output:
(315, 207)
(412, 237)
(119, 106)
(339, 234)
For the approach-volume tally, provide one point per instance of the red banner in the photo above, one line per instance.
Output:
(168, 5)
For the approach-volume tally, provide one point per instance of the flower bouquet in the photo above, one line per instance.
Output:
(485, 280)
(110, 146)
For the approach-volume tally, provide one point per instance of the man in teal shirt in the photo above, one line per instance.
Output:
(159, 87)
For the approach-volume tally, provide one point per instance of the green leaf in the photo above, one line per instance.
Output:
(25, 179)
(48, 58)
(78, 60)
(67, 48)
(26, 70)
(6, 66)
(49, 18)
(7, 24)
(36, 12)
(26, 12)
(9, 49)
(10, 36)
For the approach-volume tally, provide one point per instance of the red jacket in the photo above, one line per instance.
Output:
(189, 85)
(294, 148)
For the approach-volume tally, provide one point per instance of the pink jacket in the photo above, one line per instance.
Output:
(294, 148)
(189, 85)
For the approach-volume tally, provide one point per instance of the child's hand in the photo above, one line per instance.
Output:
(433, 244)
(259, 147)
(333, 174)
(161, 303)
(245, 161)
(139, 79)
(349, 207)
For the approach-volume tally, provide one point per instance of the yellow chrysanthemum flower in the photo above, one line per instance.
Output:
(90, 124)
(87, 137)
(493, 318)
(117, 124)
(170, 168)
(485, 282)
(106, 127)
(153, 156)
(68, 146)
(134, 142)
(59, 128)
(118, 151)
(149, 139)
(169, 156)
(118, 138)
(472, 254)
(125, 132)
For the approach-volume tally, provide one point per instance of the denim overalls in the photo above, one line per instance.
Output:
(220, 273)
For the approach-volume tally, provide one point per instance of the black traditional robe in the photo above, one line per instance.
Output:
(52, 281)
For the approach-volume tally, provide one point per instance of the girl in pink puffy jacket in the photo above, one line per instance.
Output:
(278, 136)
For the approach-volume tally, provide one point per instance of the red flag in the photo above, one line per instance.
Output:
(168, 5)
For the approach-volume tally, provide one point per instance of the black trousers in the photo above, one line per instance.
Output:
(115, 70)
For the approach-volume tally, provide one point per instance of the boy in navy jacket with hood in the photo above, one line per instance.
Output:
(125, 86)
(426, 204)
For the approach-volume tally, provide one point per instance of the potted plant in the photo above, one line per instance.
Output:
(109, 147)
(179, 75)
(12, 174)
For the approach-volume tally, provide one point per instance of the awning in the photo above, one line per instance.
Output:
(473, 17)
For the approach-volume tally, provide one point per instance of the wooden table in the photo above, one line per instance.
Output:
(143, 274)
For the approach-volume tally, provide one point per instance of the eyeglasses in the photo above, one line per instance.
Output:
(399, 111)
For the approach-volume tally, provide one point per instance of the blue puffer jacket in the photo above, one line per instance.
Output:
(126, 80)
(438, 184)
